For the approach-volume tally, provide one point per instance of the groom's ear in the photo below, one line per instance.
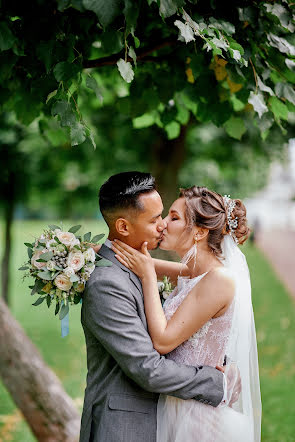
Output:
(122, 226)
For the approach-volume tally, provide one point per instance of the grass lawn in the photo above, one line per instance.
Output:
(274, 313)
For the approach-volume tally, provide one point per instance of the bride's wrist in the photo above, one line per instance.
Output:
(149, 276)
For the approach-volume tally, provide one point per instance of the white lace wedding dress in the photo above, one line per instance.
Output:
(189, 420)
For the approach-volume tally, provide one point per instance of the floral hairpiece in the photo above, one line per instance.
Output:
(231, 222)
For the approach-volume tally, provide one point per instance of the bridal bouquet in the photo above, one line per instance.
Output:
(165, 288)
(61, 263)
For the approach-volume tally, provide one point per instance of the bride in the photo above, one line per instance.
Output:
(207, 319)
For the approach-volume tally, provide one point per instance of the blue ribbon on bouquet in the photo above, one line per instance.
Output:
(64, 321)
(65, 327)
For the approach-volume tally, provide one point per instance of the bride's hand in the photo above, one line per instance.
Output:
(141, 263)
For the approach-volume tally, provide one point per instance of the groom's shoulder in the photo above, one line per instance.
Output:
(107, 275)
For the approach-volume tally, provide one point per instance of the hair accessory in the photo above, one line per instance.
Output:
(231, 222)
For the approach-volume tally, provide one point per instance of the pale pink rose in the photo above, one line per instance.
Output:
(76, 260)
(63, 282)
(37, 255)
(66, 238)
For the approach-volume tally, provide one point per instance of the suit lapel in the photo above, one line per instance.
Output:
(108, 253)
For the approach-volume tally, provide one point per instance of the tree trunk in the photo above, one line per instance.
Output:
(35, 389)
(8, 218)
(167, 159)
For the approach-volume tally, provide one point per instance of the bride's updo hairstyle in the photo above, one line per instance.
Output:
(207, 209)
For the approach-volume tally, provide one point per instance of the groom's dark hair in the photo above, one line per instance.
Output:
(122, 191)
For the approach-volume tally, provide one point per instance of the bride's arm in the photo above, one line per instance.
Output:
(210, 296)
(170, 269)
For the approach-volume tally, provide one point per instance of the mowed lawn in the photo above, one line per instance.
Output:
(274, 314)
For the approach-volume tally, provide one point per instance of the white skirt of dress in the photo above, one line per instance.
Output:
(191, 421)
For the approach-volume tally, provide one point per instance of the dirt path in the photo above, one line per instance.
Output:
(279, 248)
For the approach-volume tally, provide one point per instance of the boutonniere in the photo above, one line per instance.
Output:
(165, 288)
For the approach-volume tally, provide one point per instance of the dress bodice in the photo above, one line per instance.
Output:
(207, 345)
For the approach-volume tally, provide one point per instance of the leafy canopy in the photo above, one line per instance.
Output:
(166, 61)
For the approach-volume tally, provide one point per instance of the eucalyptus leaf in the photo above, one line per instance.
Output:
(87, 236)
(38, 286)
(57, 308)
(46, 275)
(63, 311)
(74, 278)
(54, 227)
(103, 263)
(29, 245)
(97, 238)
(48, 300)
(30, 252)
(75, 229)
(39, 301)
(24, 268)
(46, 256)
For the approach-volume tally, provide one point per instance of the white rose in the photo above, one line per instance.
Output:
(90, 269)
(76, 260)
(89, 254)
(165, 295)
(80, 287)
(37, 255)
(50, 265)
(66, 238)
(76, 242)
(69, 272)
(63, 282)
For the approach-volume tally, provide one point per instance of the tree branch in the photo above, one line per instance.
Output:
(143, 54)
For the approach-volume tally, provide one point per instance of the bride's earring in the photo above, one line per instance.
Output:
(191, 254)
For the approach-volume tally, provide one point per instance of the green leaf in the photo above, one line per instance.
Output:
(106, 11)
(235, 127)
(75, 229)
(53, 227)
(24, 268)
(51, 95)
(74, 278)
(169, 7)
(39, 301)
(91, 83)
(87, 236)
(57, 308)
(46, 256)
(278, 108)
(173, 130)
(96, 238)
(78, 134)
(65, 71)
(285, 90)
(125, 70)
(28, 244)
(132, 54)
(186, 31)
(30, 252)
(103, 263)
(64, 311)
(38, 286)
(258, 103)
(131, 12)
(145, 120)
(282, 14)
(48, 300)
(7, 38)
(46, 275)
(281, 44)
(65, 112)
(77, 298)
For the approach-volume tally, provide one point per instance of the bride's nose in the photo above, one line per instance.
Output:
(162, 225)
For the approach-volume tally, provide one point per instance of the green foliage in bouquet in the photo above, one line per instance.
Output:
(61, 262)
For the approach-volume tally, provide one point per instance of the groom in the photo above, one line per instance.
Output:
(125, 373)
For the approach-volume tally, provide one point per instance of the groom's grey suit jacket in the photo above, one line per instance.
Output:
(125, 373)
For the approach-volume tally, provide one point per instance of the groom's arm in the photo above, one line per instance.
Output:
(109, 311)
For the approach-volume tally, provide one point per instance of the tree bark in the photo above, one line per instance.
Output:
(35, 389)
(8, 218)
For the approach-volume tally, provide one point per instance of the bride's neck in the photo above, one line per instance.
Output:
(205, 261)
